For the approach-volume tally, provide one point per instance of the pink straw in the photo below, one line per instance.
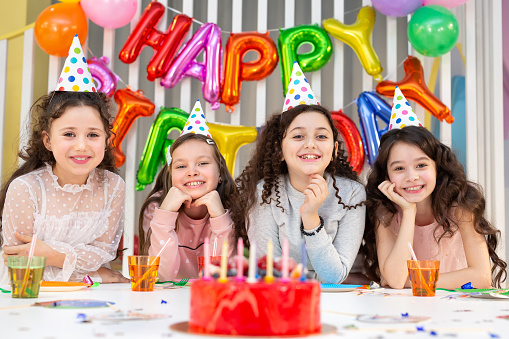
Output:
(161, 251)
(412, 253)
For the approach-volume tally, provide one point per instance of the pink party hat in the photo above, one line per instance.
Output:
(75, 76)
(402, 114)
(299, 91)
(196, 123)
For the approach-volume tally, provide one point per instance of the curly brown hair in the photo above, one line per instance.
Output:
(226, 188)
(266, 164)
(43, 112)
(452, 190)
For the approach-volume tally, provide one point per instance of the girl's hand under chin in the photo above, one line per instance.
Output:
(174, 200)
(212, 201)
(387, 188)
(316, 192)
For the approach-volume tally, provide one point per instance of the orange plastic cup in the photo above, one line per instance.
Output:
(201, 261)
(423, 275)
(143, 272)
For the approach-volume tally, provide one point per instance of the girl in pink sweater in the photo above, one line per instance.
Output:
(189, 203)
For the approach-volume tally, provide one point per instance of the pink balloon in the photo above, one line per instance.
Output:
(445, 3)
(105, 79)
(207, 38)
(109, 13)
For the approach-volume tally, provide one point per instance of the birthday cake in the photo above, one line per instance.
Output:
(256, 309)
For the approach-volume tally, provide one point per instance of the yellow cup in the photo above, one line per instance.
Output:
(25, 283)
(423, 275)
(143, 272)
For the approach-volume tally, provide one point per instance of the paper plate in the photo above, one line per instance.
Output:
(61, 286)
(183, 327)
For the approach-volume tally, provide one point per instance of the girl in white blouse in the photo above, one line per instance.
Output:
(66, 192)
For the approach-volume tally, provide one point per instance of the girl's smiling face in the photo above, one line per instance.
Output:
(308, 145)
(413, 172)
(194, 169)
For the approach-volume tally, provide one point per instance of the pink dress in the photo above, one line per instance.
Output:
(449, 251)
(179, 258)
(85, 222)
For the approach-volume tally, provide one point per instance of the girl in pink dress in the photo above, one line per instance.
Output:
(418, 193)
(66, 191)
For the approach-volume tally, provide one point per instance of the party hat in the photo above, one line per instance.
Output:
(402, 114)
(75, 76)
(196, 123)
(299, 91)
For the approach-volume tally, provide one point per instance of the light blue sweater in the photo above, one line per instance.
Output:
(332, 251)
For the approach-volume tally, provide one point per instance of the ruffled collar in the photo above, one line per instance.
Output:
(71, 188)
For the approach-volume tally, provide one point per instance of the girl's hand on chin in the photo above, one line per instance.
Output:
(387, 188)
(316, 192)
(174, 200)
(213, 202)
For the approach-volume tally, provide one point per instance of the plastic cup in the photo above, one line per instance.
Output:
(201, 261)
(423, 275)
(17, 266)
(143, 271)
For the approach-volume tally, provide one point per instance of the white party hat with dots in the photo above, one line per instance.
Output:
(402, 114)
(299, 91)
(75, 76)
(196, 123)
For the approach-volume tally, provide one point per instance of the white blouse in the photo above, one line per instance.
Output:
(85, 222)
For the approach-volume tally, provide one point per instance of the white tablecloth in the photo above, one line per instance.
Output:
(460, 317)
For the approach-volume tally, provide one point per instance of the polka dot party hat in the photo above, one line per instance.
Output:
(299, 91)
(75, 76)
(402, 114)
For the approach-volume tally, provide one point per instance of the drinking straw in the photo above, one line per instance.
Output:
(29, 261)
(152, 267)
(414, 257)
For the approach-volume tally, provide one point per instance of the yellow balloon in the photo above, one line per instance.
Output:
(358, 36)
(229, 139)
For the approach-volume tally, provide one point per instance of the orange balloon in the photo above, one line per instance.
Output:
(236, 71)
(56, 25)
(414, 87)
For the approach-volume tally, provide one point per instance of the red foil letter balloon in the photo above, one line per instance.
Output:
(131, 106)
(352, 139)
(165, 45)
(105, 79)
(236, 71)
(358, 36)
(289, 42)
(413, 87)
(207, 39)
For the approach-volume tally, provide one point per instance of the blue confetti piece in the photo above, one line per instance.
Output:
(420, 328)
(81, 317)
(404, 315)
(467, 286)
(163, 301)
(494, 335)
(433, 333)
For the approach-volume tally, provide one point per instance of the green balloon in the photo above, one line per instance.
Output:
(433, 30)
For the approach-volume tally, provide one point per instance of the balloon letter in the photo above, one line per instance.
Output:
(413, 87)
(352, 139)
(207, 38)
(104, 78)
(165, 44)
(358, 36)
(131, 106)
(236, 71)
(370, 106)
(289, 42)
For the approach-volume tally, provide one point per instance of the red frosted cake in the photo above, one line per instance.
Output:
(257, 309)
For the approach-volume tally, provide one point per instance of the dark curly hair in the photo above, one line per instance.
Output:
(266, 163)
(226, 188)
(452, 190)
(43, 112)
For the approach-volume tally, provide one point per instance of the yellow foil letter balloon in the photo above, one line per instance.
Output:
(358, 36)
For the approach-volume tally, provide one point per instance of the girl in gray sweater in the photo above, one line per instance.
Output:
(299, 185)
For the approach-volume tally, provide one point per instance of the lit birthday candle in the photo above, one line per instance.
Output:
(224, 263)
(269, 276)
(240, 262)
(251, 278)
(304, 259)
(285, 260)
(206, 265)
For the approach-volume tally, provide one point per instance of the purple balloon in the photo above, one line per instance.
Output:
(397, 7)
(207, 38)
(105, 79)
